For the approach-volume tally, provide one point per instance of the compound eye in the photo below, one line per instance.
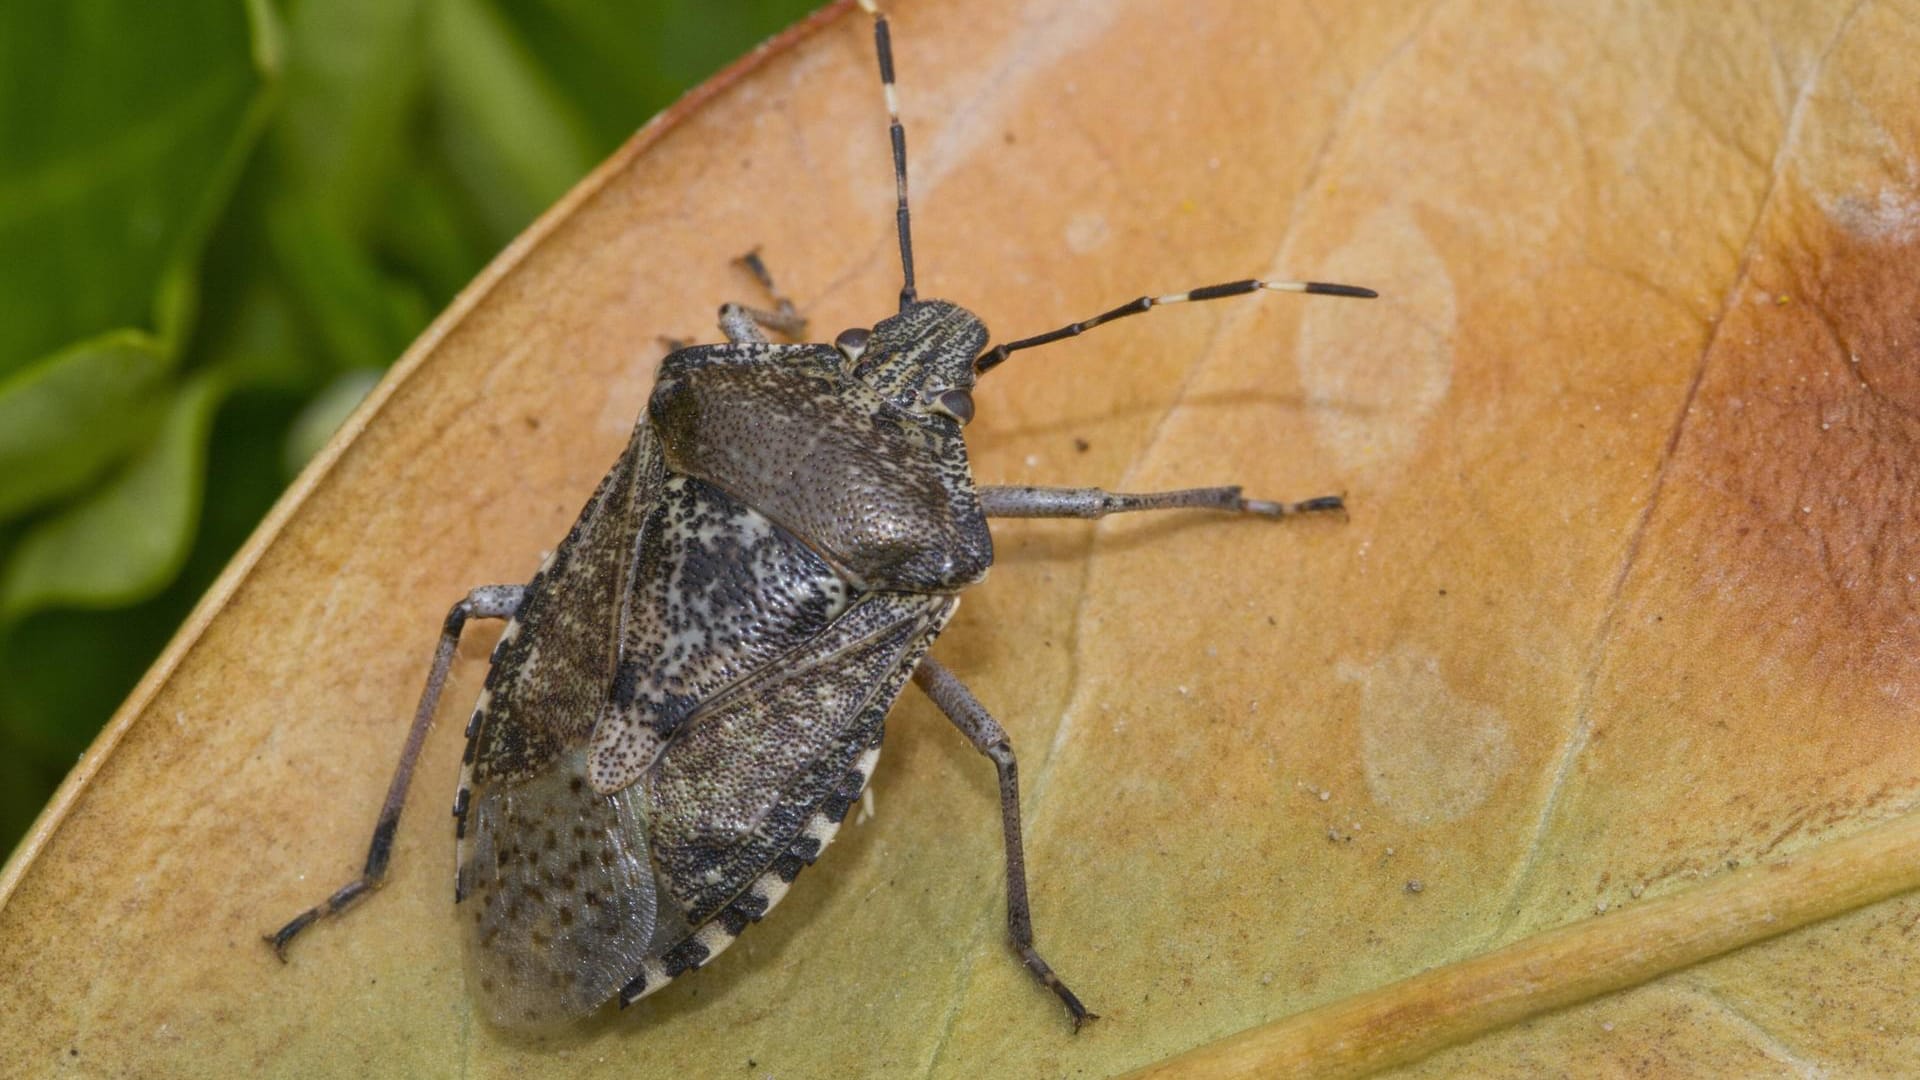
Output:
(957, 404)
(852, 343)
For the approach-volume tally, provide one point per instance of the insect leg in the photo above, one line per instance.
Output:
(486, 602)
(1034, 502)
(784, 317)
(738, 323)
(980, 728)
(743, 323)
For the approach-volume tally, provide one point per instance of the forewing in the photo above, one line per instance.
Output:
(555, 660)
(555, 885)
(732, 793)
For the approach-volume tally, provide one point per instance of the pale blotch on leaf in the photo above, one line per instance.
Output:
(1430, 754)
(1376, 373)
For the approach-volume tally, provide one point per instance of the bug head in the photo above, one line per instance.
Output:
(921, 359)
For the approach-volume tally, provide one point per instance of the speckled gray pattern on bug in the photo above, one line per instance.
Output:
(733, 792)
(718, 591)
(547, 685)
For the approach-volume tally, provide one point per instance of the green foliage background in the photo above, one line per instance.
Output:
(219, 221)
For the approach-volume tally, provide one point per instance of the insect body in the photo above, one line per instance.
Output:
(690, 694)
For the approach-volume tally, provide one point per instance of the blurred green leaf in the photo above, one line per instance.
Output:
(254, 338)
(426, 231)
(67, 418)
(511, 137)
(125, 124)
(350, 306)
(63, 671)
(19, 794)
(129, 538)
(355, 70)
(621, 63)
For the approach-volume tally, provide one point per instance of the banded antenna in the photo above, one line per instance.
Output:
(883, 45)
(997, 355)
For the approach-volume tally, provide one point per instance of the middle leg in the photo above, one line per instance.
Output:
(1033, 502)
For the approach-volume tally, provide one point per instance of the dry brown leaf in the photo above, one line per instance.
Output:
(1606, 687)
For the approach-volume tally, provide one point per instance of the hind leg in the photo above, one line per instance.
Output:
(1032, 502)
(487, 602)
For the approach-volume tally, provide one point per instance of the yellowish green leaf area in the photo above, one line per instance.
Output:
(1585, 746)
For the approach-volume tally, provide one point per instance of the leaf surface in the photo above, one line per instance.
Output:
(1585, 745)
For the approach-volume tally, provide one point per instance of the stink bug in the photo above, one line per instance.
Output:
(690, 694)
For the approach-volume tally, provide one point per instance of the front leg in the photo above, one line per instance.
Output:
(486, 602)
(743, 324)
(1034, 502)
(980, 728)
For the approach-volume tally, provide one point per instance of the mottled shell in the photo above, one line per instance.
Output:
(693, 691)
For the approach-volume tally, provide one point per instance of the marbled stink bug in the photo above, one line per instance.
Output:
(690, 694)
